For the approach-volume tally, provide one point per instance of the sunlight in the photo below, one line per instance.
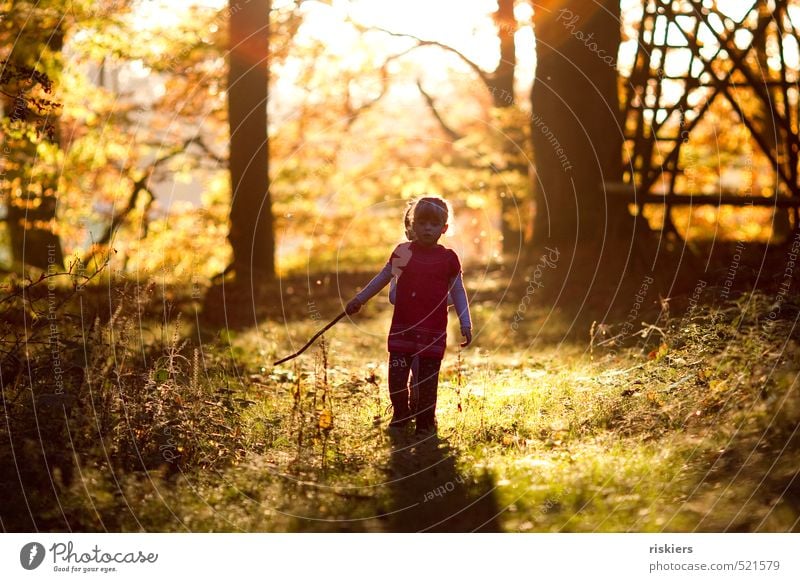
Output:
(473, 32)
(158, 14)
(735, 9)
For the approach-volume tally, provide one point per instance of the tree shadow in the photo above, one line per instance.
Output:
(314, 296)
(429, 494)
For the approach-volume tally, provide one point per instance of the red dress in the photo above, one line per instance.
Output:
(419, 323)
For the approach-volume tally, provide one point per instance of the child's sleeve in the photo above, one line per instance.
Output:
(460, 301)
(393, 290)
(459, 294)
(378, 282)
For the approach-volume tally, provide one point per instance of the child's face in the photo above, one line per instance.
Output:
(427, 229)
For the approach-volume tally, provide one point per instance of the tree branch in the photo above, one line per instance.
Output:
(139, 185)
(354, 112)
(451, 133)
(483, 75)
(198, 141)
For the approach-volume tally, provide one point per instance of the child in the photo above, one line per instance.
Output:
(413, 386)
(426, 272)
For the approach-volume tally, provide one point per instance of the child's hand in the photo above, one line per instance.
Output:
(353, 307)
(467, 333)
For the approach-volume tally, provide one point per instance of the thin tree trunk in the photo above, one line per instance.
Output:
(503, 76)
(251, 222)
(781, 221)
(503, 96)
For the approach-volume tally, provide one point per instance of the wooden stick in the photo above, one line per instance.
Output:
(312, 340)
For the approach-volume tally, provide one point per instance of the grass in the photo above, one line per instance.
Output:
(690, 429)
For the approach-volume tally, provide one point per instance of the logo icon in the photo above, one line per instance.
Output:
(31, 555)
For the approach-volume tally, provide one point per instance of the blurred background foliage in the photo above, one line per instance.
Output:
(360, 120)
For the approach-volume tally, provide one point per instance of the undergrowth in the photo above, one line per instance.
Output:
(688, 423)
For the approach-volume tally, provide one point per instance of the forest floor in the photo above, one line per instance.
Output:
(686, 422)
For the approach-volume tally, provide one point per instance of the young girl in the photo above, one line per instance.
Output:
(413, 387)
(426, 272)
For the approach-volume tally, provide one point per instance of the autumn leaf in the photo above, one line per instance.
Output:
(718, 385)
(658, 353)
(325, 419)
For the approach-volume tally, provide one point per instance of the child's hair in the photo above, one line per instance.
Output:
(407, 219)
(427, 207)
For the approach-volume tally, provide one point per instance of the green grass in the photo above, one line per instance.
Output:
(692, 431)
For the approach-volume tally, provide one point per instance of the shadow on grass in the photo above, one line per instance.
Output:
(429, 494)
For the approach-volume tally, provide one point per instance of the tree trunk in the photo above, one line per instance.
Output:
(251, 224)
(503, 96)
(30, 186)
(781, 219)
(503, 76)
(576, 123)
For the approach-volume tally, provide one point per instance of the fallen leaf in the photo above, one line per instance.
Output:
(325, 419)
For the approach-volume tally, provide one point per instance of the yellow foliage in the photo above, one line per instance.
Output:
(326, 419)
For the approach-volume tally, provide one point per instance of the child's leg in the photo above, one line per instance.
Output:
(413, 385)
(399, 367)
(428, 384)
